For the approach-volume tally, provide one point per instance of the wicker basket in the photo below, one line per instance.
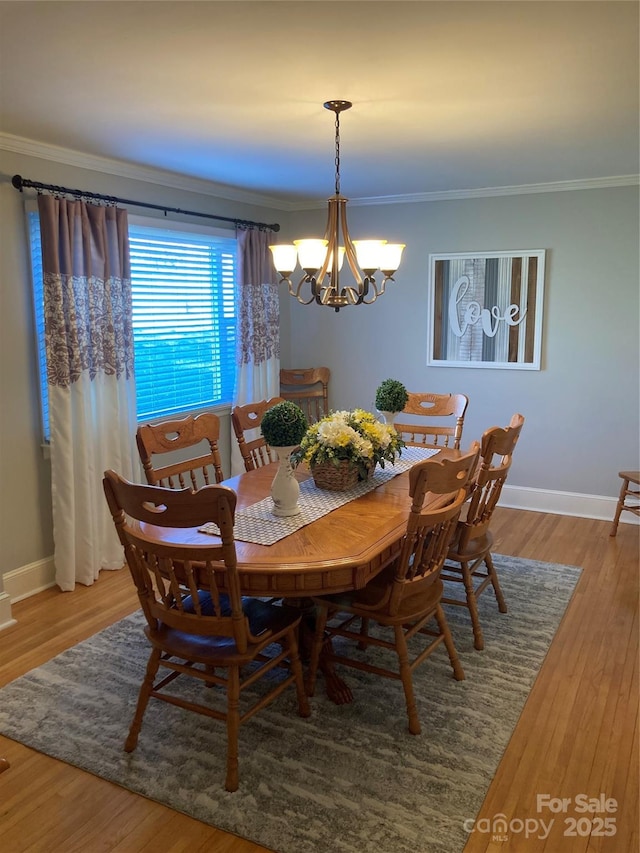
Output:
(337, 478)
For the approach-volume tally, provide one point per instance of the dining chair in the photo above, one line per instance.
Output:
(194, 628)
(469, 560)
(156, 440)
(626, 492)
(405, 597)
(246, 422)
(441, 420)
(309, 388)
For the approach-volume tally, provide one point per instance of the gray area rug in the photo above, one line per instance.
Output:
(348, 779)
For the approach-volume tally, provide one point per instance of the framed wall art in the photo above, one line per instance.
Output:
(485, 309)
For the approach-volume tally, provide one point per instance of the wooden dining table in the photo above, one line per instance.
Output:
(340, 551)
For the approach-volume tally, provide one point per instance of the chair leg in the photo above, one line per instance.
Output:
(316, 647)
(4, 764)
(304, 709)
(407, 680)
(619, 506)
(364, 632)
(495, 583)
(143, 699)
(233, 728)
(458, 672)
(472, 604)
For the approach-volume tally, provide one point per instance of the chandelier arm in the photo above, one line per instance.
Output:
(375, 292)
(349, 248)
(354, 297)
(297, 291)
(330, 235)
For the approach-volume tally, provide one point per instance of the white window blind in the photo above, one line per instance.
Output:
(183, 292)
(183, 287)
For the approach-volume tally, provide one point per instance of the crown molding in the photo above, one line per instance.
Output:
(486, 192)
(69, 157)
(20, 145)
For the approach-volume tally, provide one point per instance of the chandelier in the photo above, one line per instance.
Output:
(321, 260)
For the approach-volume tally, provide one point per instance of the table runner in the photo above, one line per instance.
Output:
(256, 523)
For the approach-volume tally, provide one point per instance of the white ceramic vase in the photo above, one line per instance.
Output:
(285, 489)
(389, 417)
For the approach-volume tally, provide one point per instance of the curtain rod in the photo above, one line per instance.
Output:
(21, 183)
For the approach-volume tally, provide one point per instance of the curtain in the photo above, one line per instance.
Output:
(92, 408)
(258, 328)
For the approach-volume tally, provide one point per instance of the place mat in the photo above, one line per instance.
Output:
(256, 523)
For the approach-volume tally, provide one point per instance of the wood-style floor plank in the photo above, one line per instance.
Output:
(578, 732)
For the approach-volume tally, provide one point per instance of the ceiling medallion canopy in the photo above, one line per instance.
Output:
(321, 260)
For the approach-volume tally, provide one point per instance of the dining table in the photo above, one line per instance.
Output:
(341, 550)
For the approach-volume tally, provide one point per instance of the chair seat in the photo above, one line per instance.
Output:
(472, 550)
(219, 650)
(363, 602)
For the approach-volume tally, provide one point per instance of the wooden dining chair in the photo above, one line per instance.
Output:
(158, 439)
(406, 595)
(246, 422)
(628, 499)
(309, 388)
(195, 629)
(469, 561)
(441, 419)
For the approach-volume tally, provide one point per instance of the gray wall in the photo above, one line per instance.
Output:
(581, 409)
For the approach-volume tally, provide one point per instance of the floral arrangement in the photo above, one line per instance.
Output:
(283, 425)
(356, 436)
(391, 396)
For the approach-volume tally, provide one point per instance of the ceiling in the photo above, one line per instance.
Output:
(448, 96)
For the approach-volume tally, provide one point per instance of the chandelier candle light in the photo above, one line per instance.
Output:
(321, 260)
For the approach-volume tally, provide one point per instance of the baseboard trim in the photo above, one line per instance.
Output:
(563, 503)
(33, 578)
(5, 611)
(30, 579)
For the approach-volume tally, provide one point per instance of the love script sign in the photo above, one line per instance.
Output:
(485, 309)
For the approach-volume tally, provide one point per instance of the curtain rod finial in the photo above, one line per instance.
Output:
(16, 180)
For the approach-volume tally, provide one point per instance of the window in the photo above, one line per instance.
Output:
(183, 293)
(183, 286)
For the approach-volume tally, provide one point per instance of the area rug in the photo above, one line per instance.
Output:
(347, 780)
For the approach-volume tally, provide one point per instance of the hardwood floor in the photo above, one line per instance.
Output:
(578, 733)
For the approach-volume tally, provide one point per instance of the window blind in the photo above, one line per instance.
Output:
(183, 290)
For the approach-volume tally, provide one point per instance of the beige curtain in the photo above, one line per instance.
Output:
(89, 348)
(258, 327)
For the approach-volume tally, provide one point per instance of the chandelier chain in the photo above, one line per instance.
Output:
(337, 161)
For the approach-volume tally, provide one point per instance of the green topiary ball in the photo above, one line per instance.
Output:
(284, 425)
(391, 396)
